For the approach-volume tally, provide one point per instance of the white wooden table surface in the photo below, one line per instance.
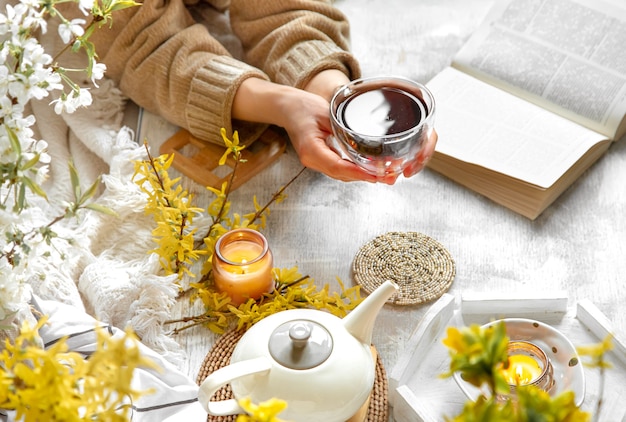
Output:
(578, 245)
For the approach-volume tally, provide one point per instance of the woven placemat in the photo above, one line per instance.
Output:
(220, 354)
(421, 266)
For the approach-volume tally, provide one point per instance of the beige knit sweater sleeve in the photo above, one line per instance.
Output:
(292, 40)
(171, 65)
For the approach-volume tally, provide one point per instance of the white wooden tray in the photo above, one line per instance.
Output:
(418, 393)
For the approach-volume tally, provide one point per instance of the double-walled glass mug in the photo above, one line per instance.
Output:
(381, 123)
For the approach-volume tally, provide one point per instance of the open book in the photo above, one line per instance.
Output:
(533, 99)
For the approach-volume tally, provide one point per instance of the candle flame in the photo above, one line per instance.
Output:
(522, 370)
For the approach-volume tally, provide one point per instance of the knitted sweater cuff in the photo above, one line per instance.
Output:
(307, 59)
(211, 96)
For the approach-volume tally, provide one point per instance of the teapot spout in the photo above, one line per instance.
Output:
(360, 321)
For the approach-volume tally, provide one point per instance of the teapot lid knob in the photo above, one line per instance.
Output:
(300, 344)
(299, 333)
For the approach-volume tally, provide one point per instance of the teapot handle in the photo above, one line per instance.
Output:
(223, 376)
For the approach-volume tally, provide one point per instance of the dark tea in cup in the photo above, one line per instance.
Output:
(381, 123)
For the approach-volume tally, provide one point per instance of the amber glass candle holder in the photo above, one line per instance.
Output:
(242, 265)
(528, 365)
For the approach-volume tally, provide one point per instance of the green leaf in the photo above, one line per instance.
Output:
(90, 49)
(102, 209)
(34, 187)
(21, 198)
(76, 46)
(31, 163)
(89, 193)
(119, 5)
(75, 180)
(14, 140)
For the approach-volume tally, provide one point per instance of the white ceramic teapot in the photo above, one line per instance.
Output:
(321, 365)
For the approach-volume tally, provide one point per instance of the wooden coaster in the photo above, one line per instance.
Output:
(421, 266)
(199, 160)
(219, 356)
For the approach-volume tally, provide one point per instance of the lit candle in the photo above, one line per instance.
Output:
(528, 365)
(522, 370)
(242, 265)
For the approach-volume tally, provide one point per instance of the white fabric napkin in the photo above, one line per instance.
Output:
(176, 395)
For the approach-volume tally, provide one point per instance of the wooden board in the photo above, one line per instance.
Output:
(199, 160)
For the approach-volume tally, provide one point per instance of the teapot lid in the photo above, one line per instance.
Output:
(300, 344)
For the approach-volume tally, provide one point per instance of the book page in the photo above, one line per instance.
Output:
(566, 55)
(483, 125)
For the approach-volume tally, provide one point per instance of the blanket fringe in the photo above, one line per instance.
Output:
(106, 270)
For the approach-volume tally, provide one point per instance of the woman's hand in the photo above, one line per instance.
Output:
(423, 157)
(326, 83)
(308, 126)
(306, 118)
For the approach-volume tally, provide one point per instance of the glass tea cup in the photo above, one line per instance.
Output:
(381, 123)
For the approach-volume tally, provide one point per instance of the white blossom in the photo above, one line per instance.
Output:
(67, 30)
(59, 105)
(12, 292)
(26, 73)
(70, 103)
(32, 4)
(4, 80)
(33, 55)
(85, 6)
(97, 72)
(11, 22)
(35, 17)
(19, 88)
(6, 109)
(42, 172)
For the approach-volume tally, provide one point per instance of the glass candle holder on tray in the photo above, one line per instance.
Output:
(381, 123)
(528, 365)
(242, 265)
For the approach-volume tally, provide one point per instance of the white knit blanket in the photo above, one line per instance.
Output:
(107, 271)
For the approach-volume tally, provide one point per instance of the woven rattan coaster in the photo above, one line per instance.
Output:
(219, 356)
(421, 266)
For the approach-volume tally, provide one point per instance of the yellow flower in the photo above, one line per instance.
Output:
(532, 401)
(596, 352)
(232, 147)
(172, 210)
(477, 353)
(263, 412)
(57, 385)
